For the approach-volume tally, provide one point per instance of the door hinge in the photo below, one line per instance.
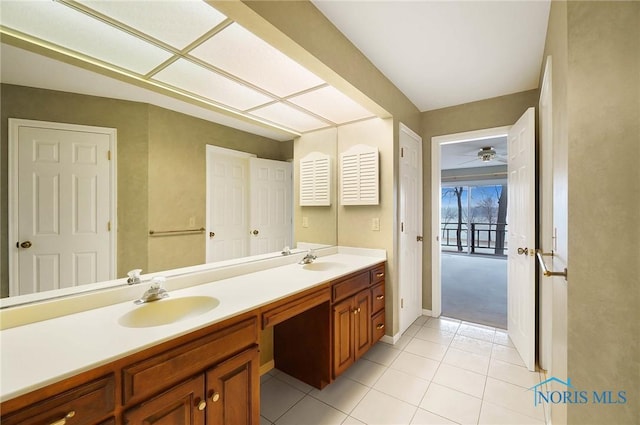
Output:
(109, 226)
(108, 155)
(402, 226)
(419, 238)
(401, 302)
(401, 152)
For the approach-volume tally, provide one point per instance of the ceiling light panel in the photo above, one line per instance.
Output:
(330, 103)
(176, 23)
(193, 78)
(73, 30)
(241, 53)
(290, 117)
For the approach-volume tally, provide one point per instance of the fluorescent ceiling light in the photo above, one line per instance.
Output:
(240, 52)
(289, 116)
(188, 76)
(176, 23)
(332, 104)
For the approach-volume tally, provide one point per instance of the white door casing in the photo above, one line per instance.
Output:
(521, 306)
(227, 204)
(547, 238)
(271, 191)
(410, 255)
(63, 196)
(436, 202)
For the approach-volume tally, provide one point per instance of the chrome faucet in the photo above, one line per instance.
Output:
(286, 251)
(155, 292)
(308, 259)
(134, 276)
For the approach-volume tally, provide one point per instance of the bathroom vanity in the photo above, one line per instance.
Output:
(92, 369)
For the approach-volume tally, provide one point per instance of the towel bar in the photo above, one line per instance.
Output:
(546, 271)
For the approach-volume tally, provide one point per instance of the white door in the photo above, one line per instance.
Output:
(227, 204)
(410, 259)
(271, 205)
(521, 255)
(63, 193)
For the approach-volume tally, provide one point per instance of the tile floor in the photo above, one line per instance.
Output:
(441, 371)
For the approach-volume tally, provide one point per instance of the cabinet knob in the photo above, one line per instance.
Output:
(215, 397)
(379, 275)
(380, 297)
(202, 405)
(64, 420)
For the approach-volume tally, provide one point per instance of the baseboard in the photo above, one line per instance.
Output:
(426, 312)
(264, 368)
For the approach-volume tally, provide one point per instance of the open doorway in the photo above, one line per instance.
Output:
(473, 229)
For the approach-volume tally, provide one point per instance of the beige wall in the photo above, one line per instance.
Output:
(161, 169)
(323, 226)
(496, 112)
(603, 115)
(177, 179)
(354, 222)
(129, 118)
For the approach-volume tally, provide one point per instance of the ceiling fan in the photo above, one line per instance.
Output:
(487, 154)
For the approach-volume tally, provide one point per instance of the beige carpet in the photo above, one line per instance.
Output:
(474, 288)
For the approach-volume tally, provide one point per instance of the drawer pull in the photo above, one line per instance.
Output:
(215, 397)
(380, 297)
(64, 420)
(380, 326)
(202, 405)
(379, 275)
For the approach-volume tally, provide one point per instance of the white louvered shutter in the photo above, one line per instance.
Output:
(359, 176)
(315, 180)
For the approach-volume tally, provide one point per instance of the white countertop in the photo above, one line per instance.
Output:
(41, 353)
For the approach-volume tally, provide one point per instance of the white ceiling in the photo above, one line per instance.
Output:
(445, 53)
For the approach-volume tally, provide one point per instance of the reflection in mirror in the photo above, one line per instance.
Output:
(161, 173)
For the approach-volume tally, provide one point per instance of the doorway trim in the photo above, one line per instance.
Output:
(436, 207)
(12, 181)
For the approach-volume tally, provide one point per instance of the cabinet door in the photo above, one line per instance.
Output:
(182, 405)
(362, 323)
(233, 390)
(343, 316)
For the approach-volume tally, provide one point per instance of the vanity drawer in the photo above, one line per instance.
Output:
(83, 405)
(350, 286)
(377, 298)
(378, 326)
(294, 307)
(159, 372)
(377, 274)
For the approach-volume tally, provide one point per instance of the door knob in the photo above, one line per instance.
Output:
(255, 232)
(25, 244)
(211, 235)
(522, 251)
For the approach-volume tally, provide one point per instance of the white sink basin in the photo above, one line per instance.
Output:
(167, 311)
(321, 266)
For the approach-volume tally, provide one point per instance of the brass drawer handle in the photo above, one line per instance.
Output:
(380, 326)
(380, 297)
(64, 420)
(215, 397)
(379, 275)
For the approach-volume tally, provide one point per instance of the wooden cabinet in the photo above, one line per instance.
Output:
(233, 392)
(227, 394)
(210, 376)
(183, 404)
(86, 404)
(358, 316)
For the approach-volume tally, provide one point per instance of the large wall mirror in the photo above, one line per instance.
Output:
(161, 156)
